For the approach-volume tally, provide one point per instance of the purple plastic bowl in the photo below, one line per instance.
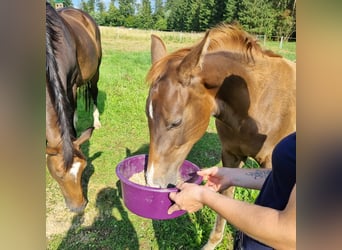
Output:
(150, 202)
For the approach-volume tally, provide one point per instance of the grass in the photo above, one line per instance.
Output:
(106, 223)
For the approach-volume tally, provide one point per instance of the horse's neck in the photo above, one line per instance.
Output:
(245, 89)
(53, 134)
(237, 83)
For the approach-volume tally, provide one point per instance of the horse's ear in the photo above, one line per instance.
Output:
(158, 48)
(85, 136)
(193, 59)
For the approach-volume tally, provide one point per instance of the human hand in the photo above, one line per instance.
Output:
(216, 178)
(188, 198)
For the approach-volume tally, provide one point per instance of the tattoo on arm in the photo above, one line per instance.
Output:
(259, 174)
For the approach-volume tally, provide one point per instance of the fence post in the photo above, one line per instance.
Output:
(281, 42)
(264, 39)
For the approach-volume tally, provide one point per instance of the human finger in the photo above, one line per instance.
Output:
(183, 185)
(173, 209)
(172, 195)
(207, 172)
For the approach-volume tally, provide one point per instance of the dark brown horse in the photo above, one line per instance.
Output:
(251, 93)
(73, 57)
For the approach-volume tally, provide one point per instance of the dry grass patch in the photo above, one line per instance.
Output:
(124, 39)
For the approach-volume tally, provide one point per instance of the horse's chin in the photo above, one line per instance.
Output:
(163, 184)
(161, 179)
(170, 185)
(157, 184)
(77, 209)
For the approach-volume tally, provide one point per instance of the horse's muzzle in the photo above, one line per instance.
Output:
(77, 209)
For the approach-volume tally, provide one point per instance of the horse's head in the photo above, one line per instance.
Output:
(69, 179)
(178, 109)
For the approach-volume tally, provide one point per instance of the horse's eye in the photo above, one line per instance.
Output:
(174, 124)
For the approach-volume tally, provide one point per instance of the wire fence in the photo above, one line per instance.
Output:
(281, 39)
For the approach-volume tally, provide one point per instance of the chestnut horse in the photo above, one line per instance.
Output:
(251, 92)
(73, 57)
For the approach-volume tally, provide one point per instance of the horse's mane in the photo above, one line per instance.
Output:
(222, 37)
(233, 37)
(54, 84)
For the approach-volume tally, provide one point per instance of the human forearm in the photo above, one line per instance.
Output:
(272, 227)
(247, 178)
(261, 223)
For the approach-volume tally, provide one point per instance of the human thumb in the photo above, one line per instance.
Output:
(174, 207)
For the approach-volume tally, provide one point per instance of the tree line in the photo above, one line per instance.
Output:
(272, 18)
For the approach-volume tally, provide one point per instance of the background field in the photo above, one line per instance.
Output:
(106, 223)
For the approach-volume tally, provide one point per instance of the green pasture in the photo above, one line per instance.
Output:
(106, 223)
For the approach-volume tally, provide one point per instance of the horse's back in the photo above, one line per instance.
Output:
(87, 38)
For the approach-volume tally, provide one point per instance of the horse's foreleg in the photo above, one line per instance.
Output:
(96, 116)
(217, 232)
(94, 92)
(75, 119)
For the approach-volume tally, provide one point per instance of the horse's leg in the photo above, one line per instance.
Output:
(228, 160)
(73, 102)
(217, 232)
(96, 115)
(75, 118)
(94, 93)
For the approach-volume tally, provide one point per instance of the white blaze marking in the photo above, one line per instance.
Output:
(150, 110)
(74, 169)
(150, 176)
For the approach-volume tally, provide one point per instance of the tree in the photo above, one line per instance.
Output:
(66, 3)
(270, 17)
(113, 17)
(286, 18)
(100, 14)
(159, 8)
(91, 6)
(207, 11)
(218, 12)
(230, 13)
(284, 24)
(159, 16)
(100, 6)
(257, 16)
(178, 13)
(126, 8)
(144, 17)
(84, 6)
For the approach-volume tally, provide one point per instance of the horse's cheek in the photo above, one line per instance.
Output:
(55, 167)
